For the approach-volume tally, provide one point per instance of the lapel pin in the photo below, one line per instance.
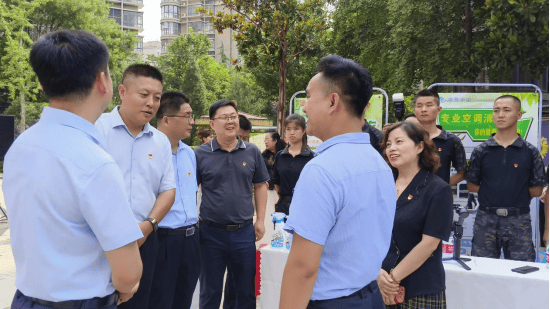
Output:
(150, 156)
(516, 165)
(410, 197)
(244, 163)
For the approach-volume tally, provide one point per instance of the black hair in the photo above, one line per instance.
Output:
(144, 70)
(221, 103)
(244, 123)
(171, 102)
(426, 93)
(509, 96)
(67, 62)
(352, 81)
(202, 134)
(301, 122)
(279, 145)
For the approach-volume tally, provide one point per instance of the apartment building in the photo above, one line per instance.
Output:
(179, 17)
(128, 16)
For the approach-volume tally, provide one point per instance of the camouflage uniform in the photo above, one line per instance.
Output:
(505, 176)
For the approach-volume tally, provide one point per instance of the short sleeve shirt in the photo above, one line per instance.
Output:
(376, 136)
(450, 150)
(345, 201)
(145, 161)
(424, 208)
(184, 210)
(506, 174)
(287, 169)
(67, 205)
(227, 179)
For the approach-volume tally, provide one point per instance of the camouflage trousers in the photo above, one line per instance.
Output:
(512, 234)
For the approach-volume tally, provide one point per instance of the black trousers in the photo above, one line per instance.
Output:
(148, 252)
(368, 297)
(176, 272)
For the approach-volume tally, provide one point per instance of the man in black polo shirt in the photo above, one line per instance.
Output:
(376, 135)
(448, 146)
(227, 167)
(507, 171)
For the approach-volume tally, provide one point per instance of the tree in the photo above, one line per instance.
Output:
(273, 32)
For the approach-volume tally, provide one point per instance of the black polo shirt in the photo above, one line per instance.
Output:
(506, 174)
(424, 207)
(269, 159)
(450, 150)
(376, 136)
(287, 169)
(227, 179)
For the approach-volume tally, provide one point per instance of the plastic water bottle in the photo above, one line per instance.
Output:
(278, 237)
(448, 247)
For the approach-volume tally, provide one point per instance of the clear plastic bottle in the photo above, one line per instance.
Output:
(448, 246)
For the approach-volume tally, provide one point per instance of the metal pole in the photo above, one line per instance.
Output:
(291, 107)
(387, 100)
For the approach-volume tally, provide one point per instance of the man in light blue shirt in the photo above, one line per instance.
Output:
(343, 206)
(73, 234)
(144, 157)
(178, 263)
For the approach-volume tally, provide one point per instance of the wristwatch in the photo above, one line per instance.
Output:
(154, 223)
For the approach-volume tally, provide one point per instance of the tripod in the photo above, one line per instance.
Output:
(458, 230)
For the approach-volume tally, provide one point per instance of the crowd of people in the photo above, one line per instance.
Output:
(103, 206)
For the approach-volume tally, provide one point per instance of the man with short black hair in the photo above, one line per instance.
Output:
(507, 172)
(73, 235)
(342, 210)
(145, 159)
(448, 146)
(178, 264)
(228, 168)
(245, 126)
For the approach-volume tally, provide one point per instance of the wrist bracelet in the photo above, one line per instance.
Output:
(392, 277)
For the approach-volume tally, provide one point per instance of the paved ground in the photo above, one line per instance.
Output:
(7, 265)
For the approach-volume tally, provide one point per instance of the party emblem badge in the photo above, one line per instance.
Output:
(244, 163)
(150, 156)
(516, 165)
(439, 149)
(410, 197)
(189, 174)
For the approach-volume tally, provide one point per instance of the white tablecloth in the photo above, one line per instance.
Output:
(490, 283)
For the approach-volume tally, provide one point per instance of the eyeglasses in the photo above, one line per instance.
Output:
(189, 117)
(227, 118)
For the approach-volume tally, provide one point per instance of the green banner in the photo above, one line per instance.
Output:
(478, 123)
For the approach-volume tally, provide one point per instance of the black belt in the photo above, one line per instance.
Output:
(106, 301)
(228, 227)
(505, 212)
(186, 231)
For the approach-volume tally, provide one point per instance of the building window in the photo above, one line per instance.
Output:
(163, 46)
(170, 28)
(198, 26)
(209, 28)
(191, 10)
(210, 5)
(170, 11)
(133, 1)
(133, 19)
(139, 45)
(115, 14)
(213, 43)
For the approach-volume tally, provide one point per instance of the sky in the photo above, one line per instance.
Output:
(151, 20)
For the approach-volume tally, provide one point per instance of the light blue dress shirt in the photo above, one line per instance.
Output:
(184, 210)
(67, 204)
(145, 161)
(345, 201)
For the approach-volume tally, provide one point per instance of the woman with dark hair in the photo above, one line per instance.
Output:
(423, 217)
(273, 144)
(290, 161)
(205, 136)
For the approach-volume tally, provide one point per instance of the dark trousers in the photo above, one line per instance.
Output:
(368, 297)
(148, 252)
(229, 294)
(176, 272)
(21, 301)
(220, 248)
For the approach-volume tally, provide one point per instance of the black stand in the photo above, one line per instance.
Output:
(458, 230)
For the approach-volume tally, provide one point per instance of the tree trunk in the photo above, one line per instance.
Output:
(281, 105)
(23, 122)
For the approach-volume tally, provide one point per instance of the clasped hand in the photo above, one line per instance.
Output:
(388, 287)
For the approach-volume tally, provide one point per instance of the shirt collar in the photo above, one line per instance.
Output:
(305, 153)
(517, 143)
(181, 147)
(116, 121)
(348, 138)
(411, 191)
(444, 135)
(215, 146)
(65, 118)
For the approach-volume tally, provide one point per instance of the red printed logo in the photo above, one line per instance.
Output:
(150, 156)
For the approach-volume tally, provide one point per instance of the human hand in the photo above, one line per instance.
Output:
(146, 228)
(388, 300)
(386, 284)
(545, 236)
(259, 229)
(124, 297)
(385, 127)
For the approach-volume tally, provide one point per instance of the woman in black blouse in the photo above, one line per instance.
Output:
(290, 161)
(273, 144)
(423, 217)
